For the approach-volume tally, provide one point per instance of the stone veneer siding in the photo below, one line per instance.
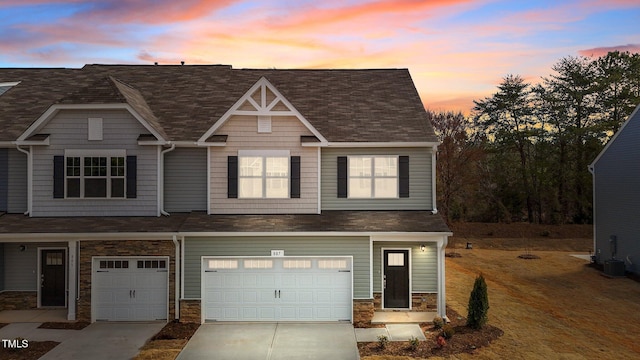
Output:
(363, 310)
(190, 311)
(18, 300)
(131, 248)
(430, 302)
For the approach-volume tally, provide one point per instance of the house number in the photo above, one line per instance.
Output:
(277, 252)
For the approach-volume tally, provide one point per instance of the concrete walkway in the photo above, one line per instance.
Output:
(33, 316)
(272, 341)
(98, 341)
(394, 332)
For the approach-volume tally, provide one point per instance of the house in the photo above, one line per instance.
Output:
(616, 199)
(207, 193)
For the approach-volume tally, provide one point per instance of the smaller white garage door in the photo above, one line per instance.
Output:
(130, 289)
(277, 289)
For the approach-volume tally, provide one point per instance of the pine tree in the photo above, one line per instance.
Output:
(478, 304)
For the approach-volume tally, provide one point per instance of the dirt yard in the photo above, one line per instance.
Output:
(554, 307)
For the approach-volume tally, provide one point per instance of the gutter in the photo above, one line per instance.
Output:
(177, 275)
(161, 179)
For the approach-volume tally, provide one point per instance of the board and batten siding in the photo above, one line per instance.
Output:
(196, 247)
(617, 198)
(424, 265)
(17, 182)
(185, 180)
(242, 132)
(69, 130)
(420, 187)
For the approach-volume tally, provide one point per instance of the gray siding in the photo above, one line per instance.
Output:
(4, 178)
(424, 265)
(2, 267)
(68, 130)
(21, 267)
(17, 182)
(358, 247)
(419, 181)
(185, 180)
(617, 197)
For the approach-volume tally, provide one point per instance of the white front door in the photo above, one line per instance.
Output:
(277, 289)
(130, 289)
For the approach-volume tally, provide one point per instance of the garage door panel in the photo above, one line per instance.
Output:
(130, 293)
(273, 289)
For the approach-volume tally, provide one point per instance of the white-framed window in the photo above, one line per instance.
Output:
(263, 174)
(373, 177)
(95, 174)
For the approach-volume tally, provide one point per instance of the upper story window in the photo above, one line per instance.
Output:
(263, 174)
(373, 177)
(95, 175)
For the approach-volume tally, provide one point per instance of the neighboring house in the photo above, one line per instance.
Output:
(616, 197)
(209, 193)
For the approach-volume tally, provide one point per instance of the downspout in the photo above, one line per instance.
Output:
(29, 178)
(161, 178)
(434, 206)
(177, 275)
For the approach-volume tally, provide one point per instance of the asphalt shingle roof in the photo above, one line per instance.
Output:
(183, 102)
(328, 221)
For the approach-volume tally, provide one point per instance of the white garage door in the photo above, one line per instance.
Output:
(130, 289)
(277, 289)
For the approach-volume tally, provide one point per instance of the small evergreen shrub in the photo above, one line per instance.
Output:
(438, 322)
(448, 331)
(414, 342)
(478, 304)
(383, 341)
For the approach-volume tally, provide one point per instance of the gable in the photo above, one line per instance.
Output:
(264, 102)
(624, 142)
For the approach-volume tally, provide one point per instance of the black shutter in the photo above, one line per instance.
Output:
(132, 177)
(232, 177)
(342, 176)
(403, 178)
(58, 177)
(295, 177)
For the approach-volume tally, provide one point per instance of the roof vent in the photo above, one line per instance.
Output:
(155, 63)
(181, 62)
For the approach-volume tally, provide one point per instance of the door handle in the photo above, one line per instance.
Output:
(384, 282)
(275, 294)
(130, 292)
(278, 294)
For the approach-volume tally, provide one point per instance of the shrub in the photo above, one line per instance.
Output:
(414, 342)
(478, 304)
(448, 331)
(383, 341)
(438, 322)
(441, 341)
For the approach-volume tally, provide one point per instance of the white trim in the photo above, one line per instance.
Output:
(370, 267)
(209, 184)
(264, 153)
(434, 197)
(95, 152)
(319, 179)
(44, 142)
(262, 84)
(161, 160)
(39, 276)
(441, 282)
(182, 267)
(382, 144)
(54, 109)
(382, 275)
(10, 83)
(109, 177)
(130, 257)
(373, 176)
(615, 136)
(94, 129)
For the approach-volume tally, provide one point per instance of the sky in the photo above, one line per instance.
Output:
(457, 51)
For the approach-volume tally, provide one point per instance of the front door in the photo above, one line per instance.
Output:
(52, 277)
(396, 279)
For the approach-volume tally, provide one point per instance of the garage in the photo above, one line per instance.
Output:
(130, 289)
(277, 288)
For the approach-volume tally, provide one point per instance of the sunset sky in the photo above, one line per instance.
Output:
(456, 50)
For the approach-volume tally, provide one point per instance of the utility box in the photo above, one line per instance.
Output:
(614, 267)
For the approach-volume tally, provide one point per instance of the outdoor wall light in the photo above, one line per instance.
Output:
(423, 248)
(22, 247)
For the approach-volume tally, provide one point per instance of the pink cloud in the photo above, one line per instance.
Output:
(601, 51)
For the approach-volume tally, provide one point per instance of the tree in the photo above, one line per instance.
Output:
(477, 311)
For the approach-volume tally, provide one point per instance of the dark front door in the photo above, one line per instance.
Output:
(396, 279)
(52, 278)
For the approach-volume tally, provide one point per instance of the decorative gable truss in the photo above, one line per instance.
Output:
(262, 100)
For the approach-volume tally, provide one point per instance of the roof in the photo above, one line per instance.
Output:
(183, 102)
(634, 115)
(328, 221)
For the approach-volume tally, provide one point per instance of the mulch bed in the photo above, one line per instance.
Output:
(465, 340)
(77, 325)
(35, 350)
(176, 330)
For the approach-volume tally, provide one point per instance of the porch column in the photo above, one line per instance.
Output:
(442, 306)
(72, 285)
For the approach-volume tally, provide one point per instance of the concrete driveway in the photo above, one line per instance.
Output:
(272, 341)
